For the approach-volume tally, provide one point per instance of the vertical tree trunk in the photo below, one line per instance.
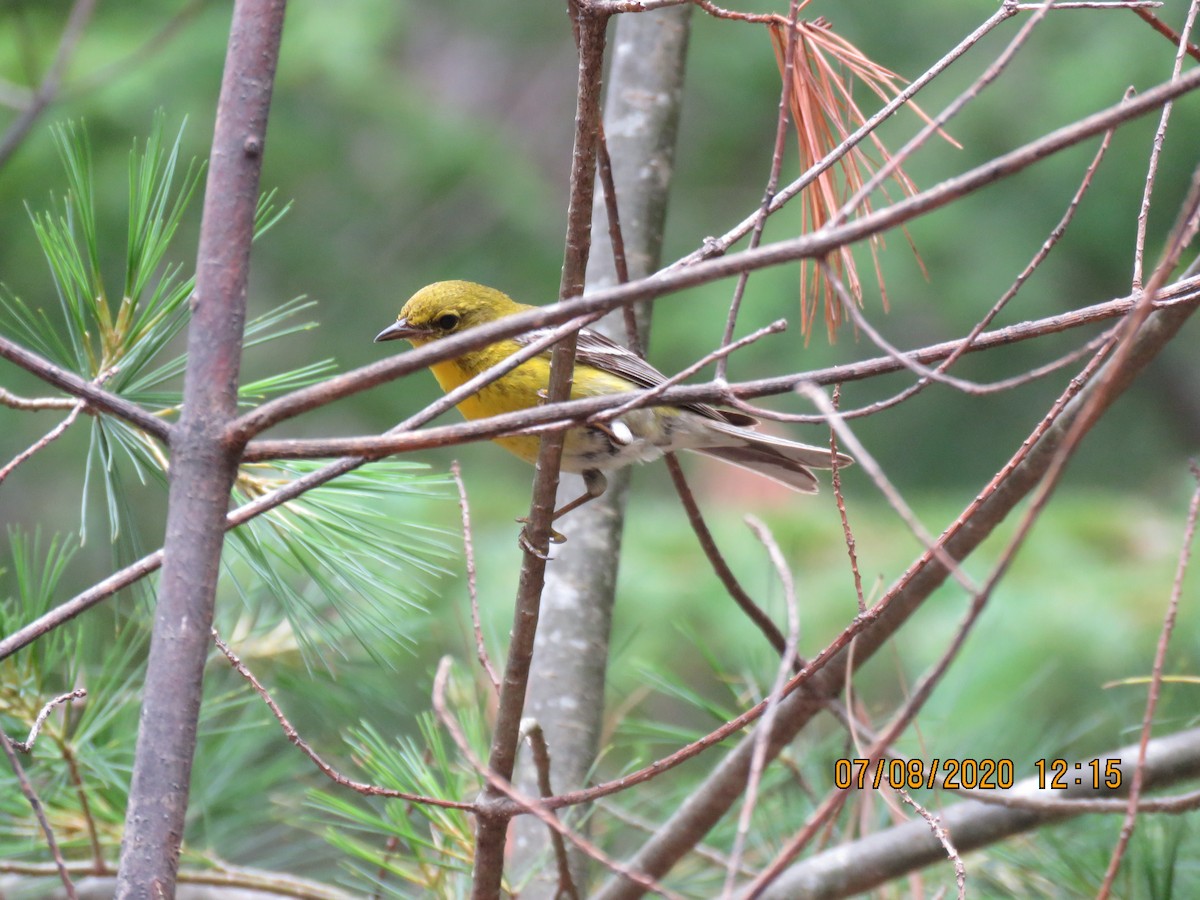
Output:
(203, 463)
(566, 685)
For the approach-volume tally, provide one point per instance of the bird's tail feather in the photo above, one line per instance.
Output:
(776, 458)
(768, 462)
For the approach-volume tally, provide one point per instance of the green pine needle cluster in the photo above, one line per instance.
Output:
(328, 582)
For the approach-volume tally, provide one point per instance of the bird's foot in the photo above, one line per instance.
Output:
(525, 542)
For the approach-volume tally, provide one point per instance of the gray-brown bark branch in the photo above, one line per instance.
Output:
(203, 463)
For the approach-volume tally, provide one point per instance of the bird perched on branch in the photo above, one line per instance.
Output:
(602, 368)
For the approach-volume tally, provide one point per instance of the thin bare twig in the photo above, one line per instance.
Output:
(97, 398)
(76, 407)
(840, 500)
(943, 838)
(977, 389)
(864, 325)
(223, 876)
(1160, 136)
(99, 863)
(760, 220)
(708, 544)
(1111, 378)
(642, 824)
(1165, 30)
(745, 602)
(758, 761)
(44, 441)
(900, 721)
(926, 375)
(39, 813)
(864, 458)
(290, 732)
(1094, 4)
(1051, 241)
(77, 19)
(492, 822)
(853, 727)
(532, 732)
(633, 336)
(33, 404)
(1156, 677)
(934, 125)
(472, 589)
(154, 44)
(26, 745)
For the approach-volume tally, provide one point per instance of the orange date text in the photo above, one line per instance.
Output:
(910, 774)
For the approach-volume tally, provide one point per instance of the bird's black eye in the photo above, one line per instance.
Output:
(446, 322)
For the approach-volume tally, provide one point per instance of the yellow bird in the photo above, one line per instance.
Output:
(602, 368)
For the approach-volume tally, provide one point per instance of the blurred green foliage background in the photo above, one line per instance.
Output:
(424, 141)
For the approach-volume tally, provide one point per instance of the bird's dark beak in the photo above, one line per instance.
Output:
(400, 329)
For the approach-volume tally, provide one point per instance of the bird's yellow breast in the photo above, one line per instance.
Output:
(522, 389)
(513, 392)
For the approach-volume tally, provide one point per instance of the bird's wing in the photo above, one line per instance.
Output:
(595, 350)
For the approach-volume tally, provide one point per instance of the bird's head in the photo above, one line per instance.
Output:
(445, 308)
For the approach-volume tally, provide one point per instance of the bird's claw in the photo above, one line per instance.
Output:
(527, 545)
(525, 542)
